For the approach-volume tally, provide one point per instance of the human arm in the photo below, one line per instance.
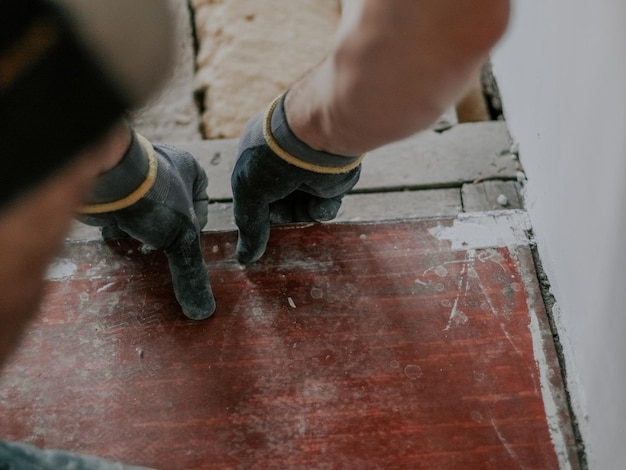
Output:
(396, 66)
(394, 69)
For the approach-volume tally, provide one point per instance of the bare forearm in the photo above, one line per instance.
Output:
(396, 67)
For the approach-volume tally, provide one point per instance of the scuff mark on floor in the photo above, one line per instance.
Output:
(456, 315)
(504, 442)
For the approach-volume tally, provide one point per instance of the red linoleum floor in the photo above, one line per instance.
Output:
(346, 346)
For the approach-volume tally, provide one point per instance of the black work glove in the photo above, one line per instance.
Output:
(157, 195)
(278, 178)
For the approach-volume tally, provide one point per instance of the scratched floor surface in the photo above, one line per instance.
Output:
(348, 346)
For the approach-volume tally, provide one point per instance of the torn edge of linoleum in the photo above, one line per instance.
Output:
(555, 400)
(512, 228)
(492, 229)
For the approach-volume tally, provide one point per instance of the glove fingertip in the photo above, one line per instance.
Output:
(199, 313)
(323, 210)
(245, 255)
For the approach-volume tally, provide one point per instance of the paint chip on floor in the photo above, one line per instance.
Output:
(484, 230)
(60, 269)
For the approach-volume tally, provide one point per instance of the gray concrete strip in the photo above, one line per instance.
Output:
(217, 157)
(399, 205)
(491, 196)
(465, 153)
(367, 207)
(355, 208)
(82, 232)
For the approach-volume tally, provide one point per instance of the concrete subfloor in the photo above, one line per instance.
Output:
(467, 168)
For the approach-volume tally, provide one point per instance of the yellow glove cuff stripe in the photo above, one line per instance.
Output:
(292, 159)
(138, 193)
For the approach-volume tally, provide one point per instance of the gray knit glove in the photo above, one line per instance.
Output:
(278, 178)
(157, 195)
(21, 456)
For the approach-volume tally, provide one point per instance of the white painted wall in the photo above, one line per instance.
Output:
(562, 73)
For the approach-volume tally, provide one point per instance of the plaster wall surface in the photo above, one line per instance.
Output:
(561, 70)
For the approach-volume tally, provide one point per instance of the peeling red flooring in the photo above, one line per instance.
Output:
(347, 346)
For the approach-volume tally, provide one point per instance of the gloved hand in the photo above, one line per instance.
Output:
(157, 195)
(278, 178)
(22, 456)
